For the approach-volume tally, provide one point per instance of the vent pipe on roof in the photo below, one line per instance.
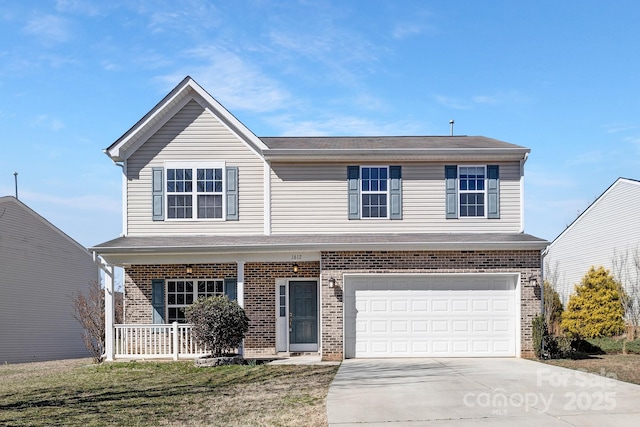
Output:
(15, 178)
(451, 122)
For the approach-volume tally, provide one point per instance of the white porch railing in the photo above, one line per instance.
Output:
(173, 341)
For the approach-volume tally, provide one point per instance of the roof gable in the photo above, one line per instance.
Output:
(186, 91)
(598, 201)
(6, 200)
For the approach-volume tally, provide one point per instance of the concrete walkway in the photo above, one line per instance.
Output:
(472, 392)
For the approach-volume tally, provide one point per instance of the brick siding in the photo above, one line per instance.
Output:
(335, 264)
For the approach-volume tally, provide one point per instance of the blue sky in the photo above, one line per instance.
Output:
(559, 77)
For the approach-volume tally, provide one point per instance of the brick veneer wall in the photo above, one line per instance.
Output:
(259, 300)
(335, 264)
(137, 284)
(259, 293)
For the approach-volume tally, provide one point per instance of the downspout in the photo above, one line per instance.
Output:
(522, 162)
(542, 255)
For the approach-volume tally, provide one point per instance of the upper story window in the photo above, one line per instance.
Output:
(374, 192)
(472, 191)
(195, 191)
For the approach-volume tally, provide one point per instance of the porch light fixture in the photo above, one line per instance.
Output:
(332, 282)
(295, 267)
(533, 281)
(189, 269)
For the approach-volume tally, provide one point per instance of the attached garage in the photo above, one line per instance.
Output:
(431, 315)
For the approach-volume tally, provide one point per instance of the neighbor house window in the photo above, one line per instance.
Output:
(195, 192)
(182, 293)
(472, 190)
(374, 191)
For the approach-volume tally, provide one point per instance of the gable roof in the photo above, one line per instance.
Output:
(5, 200)
(183, 93)
(313, 148)
(596, 202)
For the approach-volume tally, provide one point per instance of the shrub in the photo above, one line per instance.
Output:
(596, 309)
(88, 310)
(218, 323)
(552, 307)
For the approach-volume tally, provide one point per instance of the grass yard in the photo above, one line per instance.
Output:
(78, 393)
(625, 367)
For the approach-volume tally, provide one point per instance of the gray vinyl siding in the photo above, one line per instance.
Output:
(194, 134)
(312, 198)
(40, 270)
(609, 226)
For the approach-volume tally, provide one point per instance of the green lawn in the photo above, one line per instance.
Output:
(77, 393)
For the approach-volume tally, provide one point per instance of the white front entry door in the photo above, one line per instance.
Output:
(431, 316)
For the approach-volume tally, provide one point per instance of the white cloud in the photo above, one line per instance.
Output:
(456, 104)
(51, 28)
(77, 203)
(233, 82)
(89, 8)
(340, 125)
(405, 30)
(48, 122)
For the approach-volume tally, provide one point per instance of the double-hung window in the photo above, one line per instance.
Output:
(195, 191)
(472, 191)
(182, 293)
(374, 191)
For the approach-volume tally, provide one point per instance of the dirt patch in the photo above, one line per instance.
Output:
(623, 367)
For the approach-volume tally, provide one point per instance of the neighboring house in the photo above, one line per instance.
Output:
(346, 246)
(41, 268)
(606, 230)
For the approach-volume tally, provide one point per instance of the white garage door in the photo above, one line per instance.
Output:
(430, 316)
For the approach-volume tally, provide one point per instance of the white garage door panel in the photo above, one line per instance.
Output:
(407, 317)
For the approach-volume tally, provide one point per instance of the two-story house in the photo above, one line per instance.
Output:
(346, 246)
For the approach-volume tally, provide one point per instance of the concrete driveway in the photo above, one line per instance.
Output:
(471, 392)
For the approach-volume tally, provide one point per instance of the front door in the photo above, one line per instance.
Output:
(303, 315)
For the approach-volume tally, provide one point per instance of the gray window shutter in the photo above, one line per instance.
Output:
(353, 176)
(157, 300)
(230, 288)
(232, 193)
(157, 188)
(493, 191)
(395, 192)
(450, 178)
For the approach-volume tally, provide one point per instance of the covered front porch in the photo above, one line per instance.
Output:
(157, 286)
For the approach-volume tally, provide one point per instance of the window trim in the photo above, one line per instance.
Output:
(387, 193)
(483, 192)
(194, 166)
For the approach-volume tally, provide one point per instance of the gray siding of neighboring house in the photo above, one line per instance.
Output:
(312, 198)
(194, 134)
(41, 269)
(607, 229)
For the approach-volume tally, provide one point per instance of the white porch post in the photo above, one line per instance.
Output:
(240, 294)
(109, 313)
(240, 284)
